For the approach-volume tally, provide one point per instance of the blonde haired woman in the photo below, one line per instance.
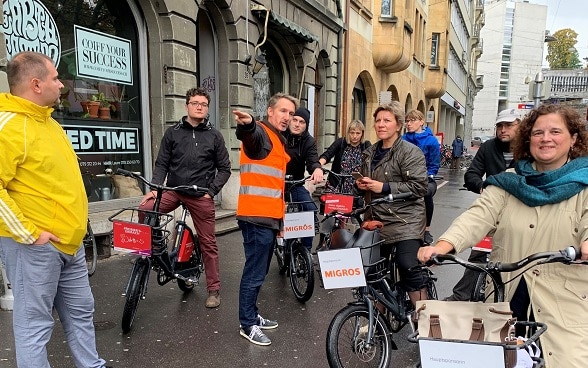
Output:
(346, 155)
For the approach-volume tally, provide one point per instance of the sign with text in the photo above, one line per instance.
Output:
(88, 139)
(341, 268)
(131, 237)
(102, 56)
(338, 202)
(298, 224)
(446, 354)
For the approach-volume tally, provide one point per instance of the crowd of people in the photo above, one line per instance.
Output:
(532, 179)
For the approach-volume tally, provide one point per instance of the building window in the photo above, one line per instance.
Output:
(95, 47)
(386, 8)
(435, 49)
(358, 102)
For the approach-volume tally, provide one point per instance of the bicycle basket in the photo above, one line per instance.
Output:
(130, 235)
(369, 242)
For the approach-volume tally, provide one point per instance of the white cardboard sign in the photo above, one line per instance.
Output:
(341, 268)
(298, 225)
(445, 354)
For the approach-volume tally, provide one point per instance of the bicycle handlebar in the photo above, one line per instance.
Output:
(387, 199)
(336, 174)
(567, 255)
(159, 187)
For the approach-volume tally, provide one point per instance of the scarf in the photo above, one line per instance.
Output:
(535, 188)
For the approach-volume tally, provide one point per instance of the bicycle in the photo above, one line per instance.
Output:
(360, 333)
(494, 270)
(335, 201)
(146, 235)
(91, 249)
(292, 256)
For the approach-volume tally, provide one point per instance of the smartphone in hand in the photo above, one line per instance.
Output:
(356, 175)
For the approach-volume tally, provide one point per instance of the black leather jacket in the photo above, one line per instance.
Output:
(193, 156)
(489, 160)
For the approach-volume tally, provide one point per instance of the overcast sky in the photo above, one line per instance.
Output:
(568, 14)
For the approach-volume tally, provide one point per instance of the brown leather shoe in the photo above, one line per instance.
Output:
(213, 299)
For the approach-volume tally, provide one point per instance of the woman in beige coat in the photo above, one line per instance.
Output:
(540, 205)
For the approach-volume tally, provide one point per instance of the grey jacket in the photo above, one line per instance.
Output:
(405, 170)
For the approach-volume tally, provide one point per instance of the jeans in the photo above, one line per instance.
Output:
(258, 244)
(202, 212)
(43, 278)
(300, 194)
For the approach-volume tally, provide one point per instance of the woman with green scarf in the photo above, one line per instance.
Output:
(540, 205)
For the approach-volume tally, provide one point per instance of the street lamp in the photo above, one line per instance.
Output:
(537, 93)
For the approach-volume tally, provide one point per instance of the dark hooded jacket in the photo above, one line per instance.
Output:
(193, 156)
(303, 153)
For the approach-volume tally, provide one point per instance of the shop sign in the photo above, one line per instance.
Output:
(102, 56)
(87, 139)
(28, 26)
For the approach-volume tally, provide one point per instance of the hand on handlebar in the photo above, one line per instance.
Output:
(425, 253)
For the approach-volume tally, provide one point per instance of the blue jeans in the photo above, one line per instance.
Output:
(258, 243)
(300, 194)
(43, 278)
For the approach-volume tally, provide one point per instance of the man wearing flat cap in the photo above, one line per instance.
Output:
(301, 147)
(493, 157)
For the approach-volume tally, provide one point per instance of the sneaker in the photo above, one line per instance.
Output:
(428, 238)
(266, 324)
(213, 299)
(255, 335)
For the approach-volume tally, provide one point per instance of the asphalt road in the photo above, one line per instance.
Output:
(172, 329)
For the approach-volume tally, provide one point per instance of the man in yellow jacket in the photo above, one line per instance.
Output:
(43, 215)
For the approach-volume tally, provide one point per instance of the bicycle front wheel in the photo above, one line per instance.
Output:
(134, 292)
(301, 272)
(91, 250)
(479, 291)
(347, 340)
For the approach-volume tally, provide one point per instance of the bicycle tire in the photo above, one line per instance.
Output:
(301, 272)
(479, 290)
(91, 250)
(346, 345)
(136, 284)
(279, 251)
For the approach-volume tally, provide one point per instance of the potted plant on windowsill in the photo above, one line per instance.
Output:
(121, 104)
(104, 105)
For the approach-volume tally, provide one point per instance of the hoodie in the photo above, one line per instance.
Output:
(427, 142)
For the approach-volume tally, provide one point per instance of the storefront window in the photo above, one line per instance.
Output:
(94, 45)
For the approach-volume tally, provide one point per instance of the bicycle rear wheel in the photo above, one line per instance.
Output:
(91, 250)
(134, 292)
(301, 272)
(347, 344)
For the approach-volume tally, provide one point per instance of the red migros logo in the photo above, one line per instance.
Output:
(345, 272)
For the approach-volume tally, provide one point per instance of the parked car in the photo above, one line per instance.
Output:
(477, 141)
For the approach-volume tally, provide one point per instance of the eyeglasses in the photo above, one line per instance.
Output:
(412, 120)
(196, 104)
(506, 124)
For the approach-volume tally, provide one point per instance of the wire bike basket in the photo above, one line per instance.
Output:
(130, 235)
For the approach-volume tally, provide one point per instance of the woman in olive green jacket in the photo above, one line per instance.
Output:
(393, 165)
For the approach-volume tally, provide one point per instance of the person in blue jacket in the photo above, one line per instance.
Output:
(456, 152)
(422, 136)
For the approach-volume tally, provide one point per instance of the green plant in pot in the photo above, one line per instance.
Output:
(104, 105)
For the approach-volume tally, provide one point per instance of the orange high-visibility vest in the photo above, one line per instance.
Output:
(261, 193)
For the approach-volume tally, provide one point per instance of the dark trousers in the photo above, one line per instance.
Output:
(429, 205)
(406, 257)
(464, 287)
(258, 244)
